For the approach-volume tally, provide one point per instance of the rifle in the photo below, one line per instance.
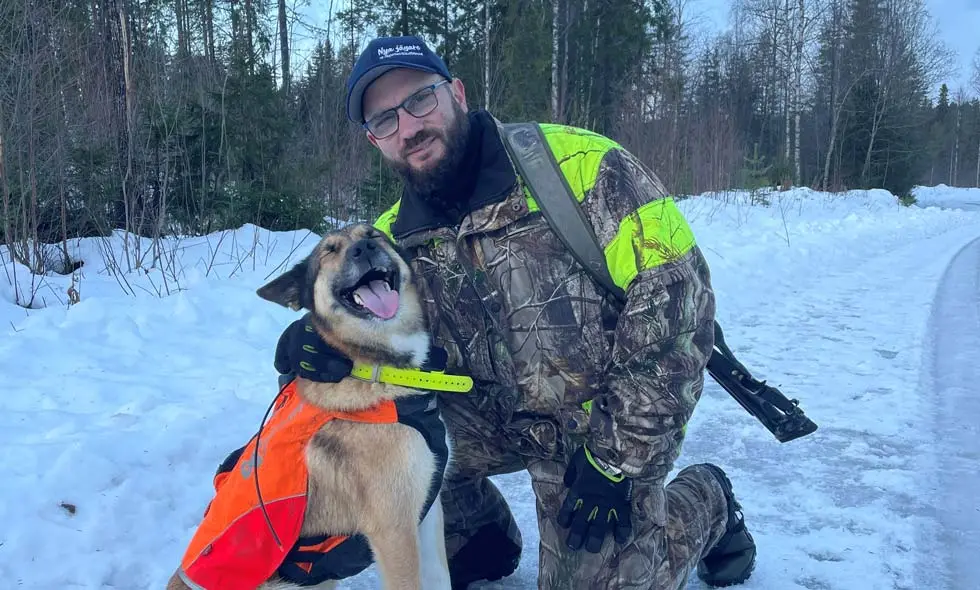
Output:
(782, 416)
(536, 164)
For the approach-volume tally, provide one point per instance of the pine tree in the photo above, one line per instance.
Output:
(755, 174)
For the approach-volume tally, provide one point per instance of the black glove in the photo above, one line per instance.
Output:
(302, 352)
(596, 504)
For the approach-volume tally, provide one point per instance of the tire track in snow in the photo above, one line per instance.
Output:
(850, 506)
(952, 381)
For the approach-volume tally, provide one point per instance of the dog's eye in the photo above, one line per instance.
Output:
(330, 248)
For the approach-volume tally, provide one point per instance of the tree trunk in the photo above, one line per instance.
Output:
(249, 46)
(833, 130)
(834, 111)
(788, 96)
(554, 59)
(181, 19)
(33, 258)
(879, 113)
(589, 122)
(563, 94)
(486, 55)
(284, 47)
(8, 233)
(127, 135)
(797, 84)
(977, 184)
(955, 161)
(208, 17)
(576, 111)
(162, 204)
(446, 27)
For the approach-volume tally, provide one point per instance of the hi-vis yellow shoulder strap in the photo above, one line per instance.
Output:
(415, 378)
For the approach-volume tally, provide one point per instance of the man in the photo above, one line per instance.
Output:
(590, 397)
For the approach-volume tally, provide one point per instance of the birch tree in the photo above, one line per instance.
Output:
(487, 88)
(805, 18)
(192, 116)
(555, 38)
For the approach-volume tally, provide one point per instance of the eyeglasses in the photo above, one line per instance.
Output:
(419, 104)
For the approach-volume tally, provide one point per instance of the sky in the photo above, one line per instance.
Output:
(958, 21)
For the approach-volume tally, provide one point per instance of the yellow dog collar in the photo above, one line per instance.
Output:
(415, 378)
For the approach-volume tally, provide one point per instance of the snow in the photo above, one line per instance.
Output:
(122, 404)
(947, 197)
(951, 378)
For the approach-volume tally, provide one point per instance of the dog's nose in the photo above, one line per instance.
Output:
(362, 247)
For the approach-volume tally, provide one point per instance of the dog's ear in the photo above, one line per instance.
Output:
(287, 288)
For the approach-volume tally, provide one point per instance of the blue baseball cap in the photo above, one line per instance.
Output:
(384, 54)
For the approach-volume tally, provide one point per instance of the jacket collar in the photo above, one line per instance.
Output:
(484, 177)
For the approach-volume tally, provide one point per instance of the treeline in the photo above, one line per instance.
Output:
(188, 116)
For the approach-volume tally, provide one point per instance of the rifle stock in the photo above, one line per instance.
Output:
(783, 417)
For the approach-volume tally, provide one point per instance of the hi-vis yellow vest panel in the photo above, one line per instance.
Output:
(653, 234)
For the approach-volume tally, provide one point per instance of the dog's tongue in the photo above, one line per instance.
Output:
(376, 296)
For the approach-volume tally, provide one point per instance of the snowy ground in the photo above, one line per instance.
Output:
(117, 409)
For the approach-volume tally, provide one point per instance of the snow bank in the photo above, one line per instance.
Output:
(137, 268)
(947, 197)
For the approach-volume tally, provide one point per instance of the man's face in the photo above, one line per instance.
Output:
(422, 149)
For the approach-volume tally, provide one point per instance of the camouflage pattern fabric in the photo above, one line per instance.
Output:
(516, 312)
(660, 555)
(470, 500)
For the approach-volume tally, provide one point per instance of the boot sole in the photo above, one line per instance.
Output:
(734, 582)
(489, 576)
(740, 579)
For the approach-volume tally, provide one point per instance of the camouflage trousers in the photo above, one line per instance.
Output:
(674, 525)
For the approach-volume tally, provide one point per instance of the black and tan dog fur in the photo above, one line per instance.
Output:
(367, 478)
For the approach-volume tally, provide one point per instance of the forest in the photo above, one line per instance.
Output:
(184, 117)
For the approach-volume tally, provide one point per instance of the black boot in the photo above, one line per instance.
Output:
(732, 558)
(488, 555)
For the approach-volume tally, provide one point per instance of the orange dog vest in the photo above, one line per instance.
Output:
(234, 547)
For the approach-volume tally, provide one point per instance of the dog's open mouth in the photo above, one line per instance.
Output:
(375, 292)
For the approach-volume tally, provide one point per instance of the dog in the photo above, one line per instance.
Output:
(368, 481)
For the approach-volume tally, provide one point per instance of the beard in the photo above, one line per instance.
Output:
(427, 182)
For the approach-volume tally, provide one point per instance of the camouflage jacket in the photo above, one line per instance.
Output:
(543, 343)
